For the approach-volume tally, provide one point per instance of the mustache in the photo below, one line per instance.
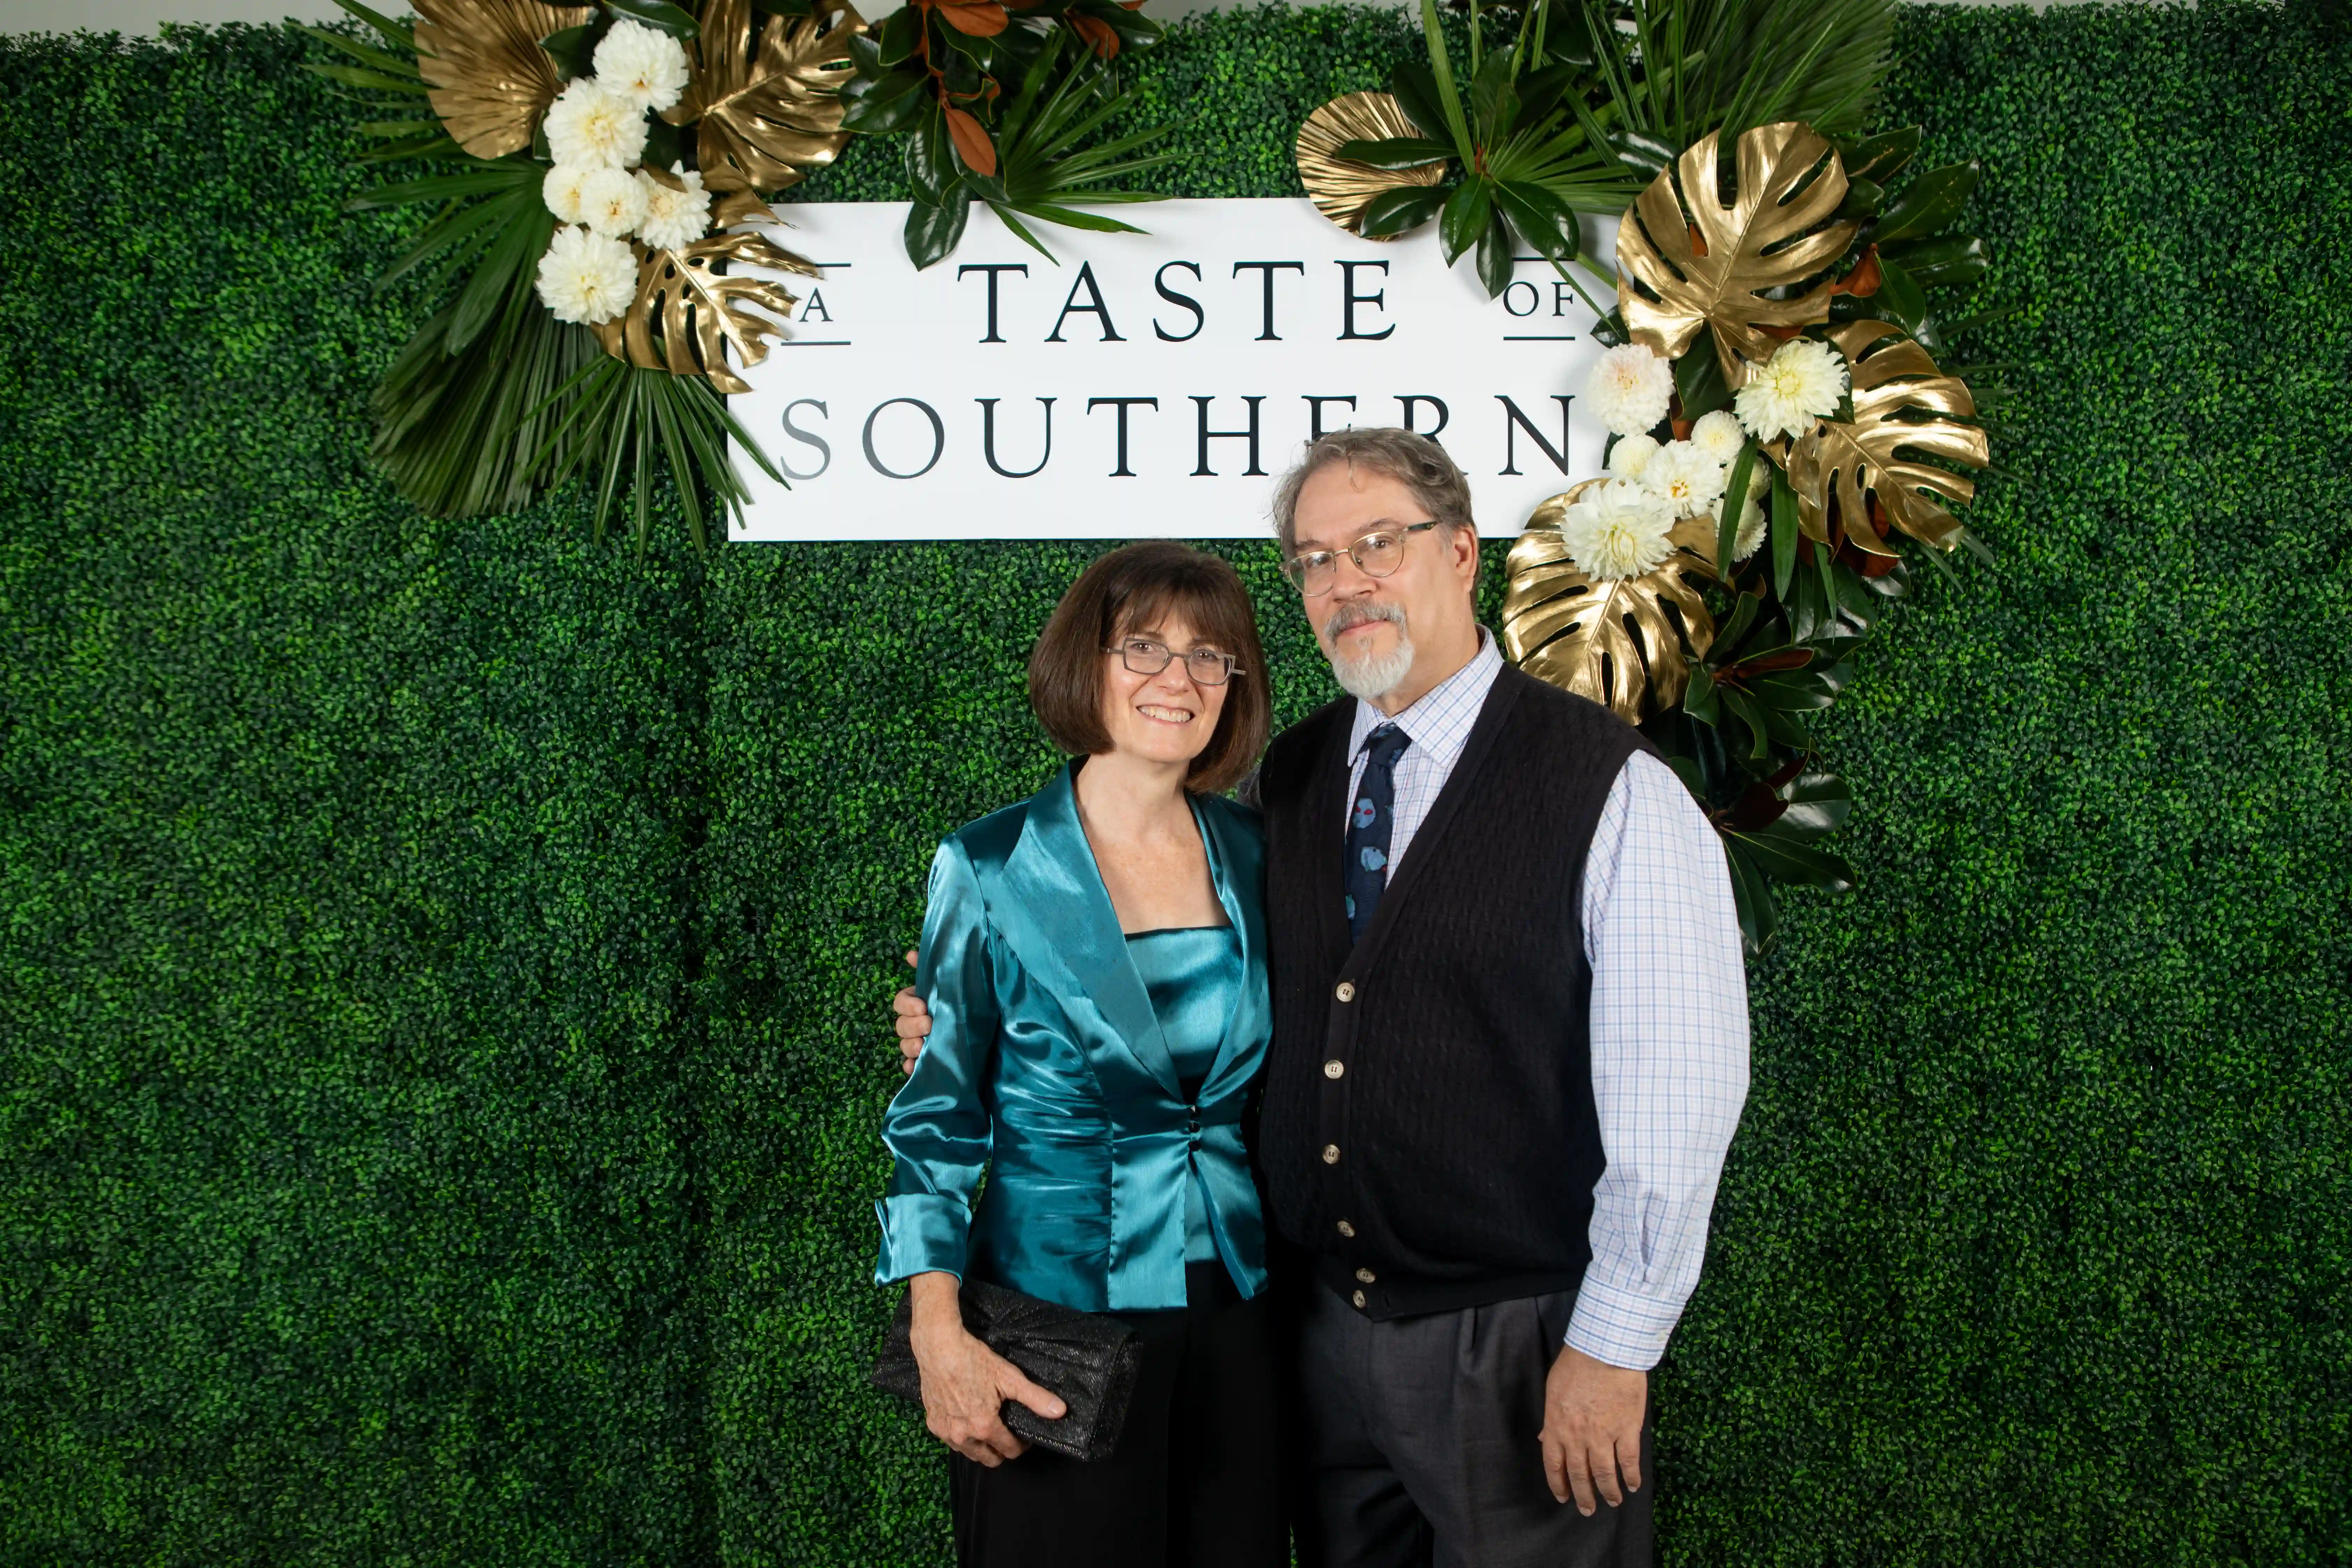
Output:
(1362, 612)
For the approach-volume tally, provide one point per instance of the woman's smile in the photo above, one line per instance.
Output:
(1165, 715)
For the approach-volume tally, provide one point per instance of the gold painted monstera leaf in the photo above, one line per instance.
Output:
(766, 118)
(1690, 260)
(490, 81)
(1902, 403)
(700, 311)
(1340, 188)
(1626, 644)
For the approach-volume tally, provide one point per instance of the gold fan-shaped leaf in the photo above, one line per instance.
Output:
(490, 79)
(767, 118)
(700, 311)
(1901, 401)
(1340, 189)
(1615, 641)
(1690, 260)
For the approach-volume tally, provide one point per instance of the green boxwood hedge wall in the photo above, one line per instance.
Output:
(440, 1038)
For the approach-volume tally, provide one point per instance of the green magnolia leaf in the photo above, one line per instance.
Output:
(658, 14)
(1494, 256)
(1880, 158)
(885, 105)
(1531, 214)
(1927, 203)
(933, 229)
(1819, 804)
(1863, 199)
(1539, 93)
(1647, 155)
(1900, 298)
(1394, 153)
(1752, 894)
(1465, 220)
(1398, 210)
(1415, 91)
(1952, 262)
(1735, 497)
(899, 36)
(1698, 382)
(1785, 856)
(932, 166)
(1493, 104)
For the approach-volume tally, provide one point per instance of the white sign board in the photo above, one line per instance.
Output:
(1149, 384)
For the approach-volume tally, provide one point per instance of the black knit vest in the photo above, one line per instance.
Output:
(1427, 1130)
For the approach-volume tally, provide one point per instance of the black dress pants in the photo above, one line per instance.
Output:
(1422, 1446)
(1194, 1481)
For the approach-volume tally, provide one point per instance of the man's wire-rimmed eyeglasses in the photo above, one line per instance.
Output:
(1376, 555)
(1206, 665)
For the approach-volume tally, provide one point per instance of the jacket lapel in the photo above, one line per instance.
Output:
(1237, 867)
(1429, 838)
(1058, 917)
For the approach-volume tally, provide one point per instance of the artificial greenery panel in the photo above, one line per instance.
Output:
(444, 959)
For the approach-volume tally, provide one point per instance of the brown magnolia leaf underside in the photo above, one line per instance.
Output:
(1615, 642)
(701, 311)
(1894, 384)
(1758, 242)
(1340, 188)
(490, 81)
(766, 119)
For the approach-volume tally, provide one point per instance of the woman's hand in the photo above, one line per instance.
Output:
(965, 1383)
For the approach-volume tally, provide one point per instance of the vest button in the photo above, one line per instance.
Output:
(1330, 1154)
(1347, 1230)
(1334, 1069)
(1346, 991)
(1365, 1275)
(1358, 1299)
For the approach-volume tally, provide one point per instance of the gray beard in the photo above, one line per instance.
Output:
(1375, 675)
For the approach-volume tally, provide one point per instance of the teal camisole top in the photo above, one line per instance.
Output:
(1193, 974)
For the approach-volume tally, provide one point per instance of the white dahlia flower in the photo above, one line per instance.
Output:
(643, 65)
(592, 128)
(1751, 537)
(1618, 530)
(1683, 476)
(586, 277)
(1719, 434)
(1631, 456)
(561, 190)
(674, 219)
(1800, 383)
(613, 201)
(1629, 389)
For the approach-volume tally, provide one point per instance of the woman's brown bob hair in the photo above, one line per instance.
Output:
(1129, 590)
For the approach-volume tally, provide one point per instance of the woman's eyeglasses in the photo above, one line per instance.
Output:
(1376, 555)
(1206, 665)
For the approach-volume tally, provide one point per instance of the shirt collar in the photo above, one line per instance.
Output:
(1439, 724)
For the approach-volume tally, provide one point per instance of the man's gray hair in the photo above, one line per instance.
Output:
(1414, 461)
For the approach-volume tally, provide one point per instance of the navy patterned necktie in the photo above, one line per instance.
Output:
(1368, 821)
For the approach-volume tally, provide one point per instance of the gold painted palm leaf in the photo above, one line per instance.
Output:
(1691, 261)
(490, 81)
(768, 117)
(702, 312)
(1338, 188)
(1905, 410)
(1626, 644)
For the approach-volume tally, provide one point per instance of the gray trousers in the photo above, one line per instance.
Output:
(1421, 1444)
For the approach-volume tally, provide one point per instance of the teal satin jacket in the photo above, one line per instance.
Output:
(1047, 1067)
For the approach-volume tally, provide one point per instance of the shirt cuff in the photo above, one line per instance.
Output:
(921, 1233)
(1621, 1327)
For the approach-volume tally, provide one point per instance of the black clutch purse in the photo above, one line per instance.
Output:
(1089, 1359)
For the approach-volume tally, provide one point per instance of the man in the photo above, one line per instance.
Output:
(1510, 1050)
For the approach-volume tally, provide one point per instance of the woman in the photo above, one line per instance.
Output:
(1093, 959)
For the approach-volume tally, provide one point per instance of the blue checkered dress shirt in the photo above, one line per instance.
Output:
(1669, 1021)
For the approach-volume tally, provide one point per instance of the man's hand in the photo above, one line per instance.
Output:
(965, 1383)
(913, 1023)
(1592, 1429)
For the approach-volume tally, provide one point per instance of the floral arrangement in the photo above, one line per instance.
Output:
(1784, 442)
(599, 170)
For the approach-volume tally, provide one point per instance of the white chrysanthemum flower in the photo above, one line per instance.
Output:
(1800, 383)
(1719, 434)
(1630, 457)
(586, 277)
(591, 127)
(646, 66)
(1751, 537)
(1629, 389)
(1684, 478)
(613, 201)
(674, 219)
(1618, 530)
(561, 190)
